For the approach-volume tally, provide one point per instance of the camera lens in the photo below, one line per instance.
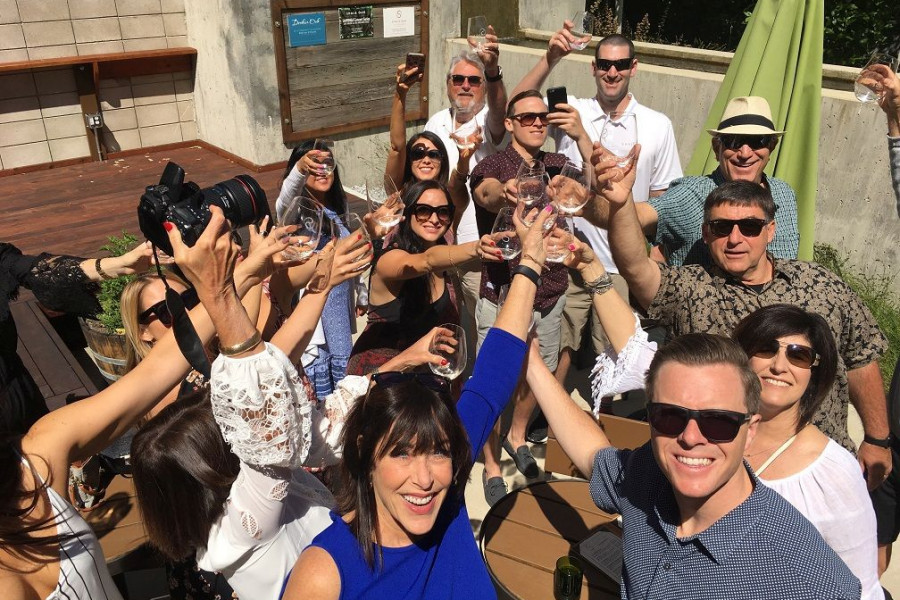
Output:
(240, 198)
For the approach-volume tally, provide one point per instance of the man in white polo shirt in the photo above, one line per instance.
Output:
(476, 91)
(613, 67)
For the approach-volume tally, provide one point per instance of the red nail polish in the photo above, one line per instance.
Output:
(359, 237)
(444, 361)
(549, 208)
(572, 247)
(167, 225)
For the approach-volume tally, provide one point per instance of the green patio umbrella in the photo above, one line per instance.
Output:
(780, 59)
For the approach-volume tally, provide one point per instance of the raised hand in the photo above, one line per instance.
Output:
(568, 119)
(612, 182)
(209, 263)
(406, 78)
(533, 237)
(560, 43)
(490, 50)
(487, 249)
(264, 256)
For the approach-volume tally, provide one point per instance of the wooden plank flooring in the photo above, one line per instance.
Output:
(72, 210)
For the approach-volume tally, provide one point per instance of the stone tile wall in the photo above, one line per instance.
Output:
(40, 113)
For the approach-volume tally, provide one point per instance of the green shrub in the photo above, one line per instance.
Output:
(875, 291)
(111, 289)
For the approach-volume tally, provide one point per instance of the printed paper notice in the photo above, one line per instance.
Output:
(399, 21)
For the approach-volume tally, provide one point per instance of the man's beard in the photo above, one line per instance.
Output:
(467, 109)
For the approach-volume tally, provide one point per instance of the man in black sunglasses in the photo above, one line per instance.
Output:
(697, 522)
(737, 228)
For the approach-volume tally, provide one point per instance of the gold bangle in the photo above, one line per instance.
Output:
(247, 344)
(103, 274)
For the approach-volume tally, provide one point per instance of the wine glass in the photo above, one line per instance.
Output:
(318, 282)
(531, 167)
(868, 89)
(464, 135)
(504, 234)
(353, 222)
(327, 162)
(477, 32)
(619, 136)
(384, 200)
(451, 346)
(306, 214)
(556, 245)
(582, 30)
(530, 180)
(571, 187)
(529, 214)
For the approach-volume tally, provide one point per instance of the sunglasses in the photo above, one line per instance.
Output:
(423, 212)
(474, 80)
(623, 64)
(528, 119)
(724, 227)
(717, 426)
(429, 380)
(161, 311)
(797, 354)
(735, 142)
(420, 152)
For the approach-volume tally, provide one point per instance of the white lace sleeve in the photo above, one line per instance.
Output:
(328, 423)
(262, 409)
(614, 374)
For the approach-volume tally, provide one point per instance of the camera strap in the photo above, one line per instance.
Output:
(185, 335)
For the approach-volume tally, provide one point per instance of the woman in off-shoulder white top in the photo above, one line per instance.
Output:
(794, 354)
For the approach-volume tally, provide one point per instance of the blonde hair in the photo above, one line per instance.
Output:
(130, 307)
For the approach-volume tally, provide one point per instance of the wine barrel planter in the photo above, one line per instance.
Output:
(108, 350)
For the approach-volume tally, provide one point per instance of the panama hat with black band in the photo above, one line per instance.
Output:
(747, 115)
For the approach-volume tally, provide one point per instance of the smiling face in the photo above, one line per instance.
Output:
(612, 84)
(466, 99)
(529, 138)
(743, 163)
(318, 183)
(432, 228)
(741, 256)
(428, 167)
(409, 492)
(152, 293)
(783, 384)
(702, 472)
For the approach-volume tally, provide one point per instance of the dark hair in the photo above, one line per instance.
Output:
(779, 320)
(703, 349)
(183, 471)
(406, 415)
(335, 198)
(740, 193)
(443, 173)
(511, 105)
(616, 39)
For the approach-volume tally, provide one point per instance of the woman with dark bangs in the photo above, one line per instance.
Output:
(403, 530)
(408, 286)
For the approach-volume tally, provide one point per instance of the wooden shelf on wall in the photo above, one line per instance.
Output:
(118, 64)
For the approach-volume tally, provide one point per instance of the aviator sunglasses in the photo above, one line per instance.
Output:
(474, 80)
(423, 213)
(724, 227)
(717, 426)
(623, 64)
(736, 141)
(797, 354)
(420, 152)
(528, 119)
(161, 311)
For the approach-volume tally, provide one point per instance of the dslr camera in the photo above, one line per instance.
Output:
(187, 206)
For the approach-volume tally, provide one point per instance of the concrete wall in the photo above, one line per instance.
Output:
(547, 16)
(40, 114)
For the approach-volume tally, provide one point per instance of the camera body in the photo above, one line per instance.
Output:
(187, 206)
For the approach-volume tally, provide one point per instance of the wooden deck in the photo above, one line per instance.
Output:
(72, 209)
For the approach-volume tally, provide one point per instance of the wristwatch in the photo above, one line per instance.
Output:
(496, 77)
(881, 443)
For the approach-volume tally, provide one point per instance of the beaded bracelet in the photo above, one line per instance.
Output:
(601, 285)
(103, 274)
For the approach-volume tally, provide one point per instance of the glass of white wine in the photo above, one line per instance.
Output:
(450, 344)
(619, 136)
(867, 88)
(582, 30)
(306, 214)
(477, 35)
(384, 200)
(325, 159)
(556, 244)
(504, 234)
(571, 187)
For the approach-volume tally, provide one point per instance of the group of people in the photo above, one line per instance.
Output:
(309, 466)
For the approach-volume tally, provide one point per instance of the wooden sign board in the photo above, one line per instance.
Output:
(346, 83)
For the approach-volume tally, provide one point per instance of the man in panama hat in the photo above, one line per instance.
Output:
(743, 143)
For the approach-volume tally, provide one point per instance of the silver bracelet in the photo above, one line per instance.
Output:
(601, 285)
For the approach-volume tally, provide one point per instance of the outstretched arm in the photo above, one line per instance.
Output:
(495, 90)
(396, 159)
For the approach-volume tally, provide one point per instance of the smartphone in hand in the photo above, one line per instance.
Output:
(415, 59)
(557, 95)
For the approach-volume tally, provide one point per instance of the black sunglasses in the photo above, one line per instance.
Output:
(623, 64)
(429, 380)
(423, 212)
(420, 152)
(736, 141)
(528, 119)
(797, 354)
(161, 311)
(474, 80)
(717, 426)
(748, 227)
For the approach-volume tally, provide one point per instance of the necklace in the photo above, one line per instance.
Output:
(769, 449)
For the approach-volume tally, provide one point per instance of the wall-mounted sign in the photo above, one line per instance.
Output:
(305, 29)
(399, 21)
(356, 22)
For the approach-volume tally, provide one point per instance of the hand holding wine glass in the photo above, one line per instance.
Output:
(504, 234)
(558, 241)
(619, 136)
(477, 34)
(449, 342)
(570, 187)
(384, 200)
(582, 29)
(869, 86)
(306, 214)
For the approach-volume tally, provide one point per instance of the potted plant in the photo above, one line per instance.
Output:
(105, 335)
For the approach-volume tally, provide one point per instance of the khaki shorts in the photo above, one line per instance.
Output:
(579, 310)
(547, 325)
